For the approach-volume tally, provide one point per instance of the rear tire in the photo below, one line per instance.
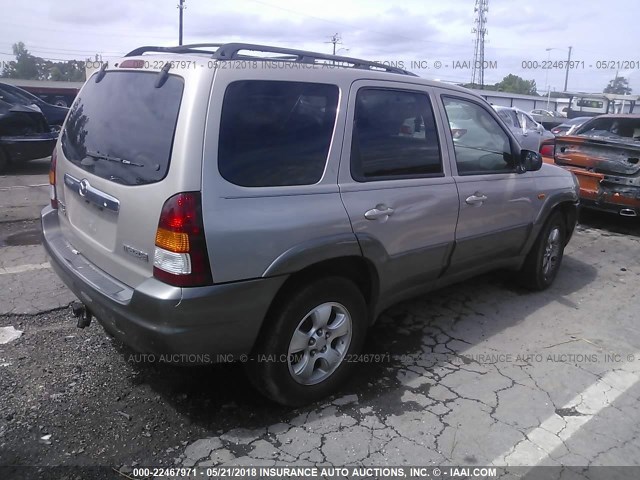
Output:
(543, 261)
(302, 351)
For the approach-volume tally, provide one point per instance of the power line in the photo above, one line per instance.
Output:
(351, 26)
(94, 32)
(56, 59)
(65, 51)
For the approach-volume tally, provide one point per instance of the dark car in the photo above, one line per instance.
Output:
(568, 127)
(25, 134)
(14, 95)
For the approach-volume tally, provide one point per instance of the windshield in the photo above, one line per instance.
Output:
(122, 128)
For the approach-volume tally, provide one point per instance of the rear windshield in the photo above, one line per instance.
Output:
(621, 128)
(122, 128)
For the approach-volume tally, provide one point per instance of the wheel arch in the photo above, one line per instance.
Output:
(566, 203)
(355, 268)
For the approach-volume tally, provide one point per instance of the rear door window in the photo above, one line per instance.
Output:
(276, 133)
(122, 128)
(394, 136)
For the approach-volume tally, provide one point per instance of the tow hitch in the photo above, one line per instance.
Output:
(82, 313)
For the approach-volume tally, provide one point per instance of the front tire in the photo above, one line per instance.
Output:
(302, 351)
(543, 262)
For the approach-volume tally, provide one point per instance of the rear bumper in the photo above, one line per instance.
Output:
(158, 318)
(596, 193)
(22, 149)
(624, 210)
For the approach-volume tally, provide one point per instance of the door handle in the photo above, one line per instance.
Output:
(381, 211)
(476, 199)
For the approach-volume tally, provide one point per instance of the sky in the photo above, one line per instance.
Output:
(410, 33)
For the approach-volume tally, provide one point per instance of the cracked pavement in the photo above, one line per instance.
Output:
(480, 373)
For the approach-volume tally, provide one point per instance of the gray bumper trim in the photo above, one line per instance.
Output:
(159, 318)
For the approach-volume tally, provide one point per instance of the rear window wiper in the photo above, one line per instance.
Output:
(123, 161)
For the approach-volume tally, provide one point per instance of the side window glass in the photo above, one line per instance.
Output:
(394, 136)
(531, 123)
(514, 119)
(276, 133)
(525, 121)
(484, 147)
(504, 115)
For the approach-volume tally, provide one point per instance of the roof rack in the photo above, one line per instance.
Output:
(229, 51)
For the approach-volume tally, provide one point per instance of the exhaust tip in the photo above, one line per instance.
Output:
(82, 314)
(628, 212)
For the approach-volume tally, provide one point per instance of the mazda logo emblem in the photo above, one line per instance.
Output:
(84, 187)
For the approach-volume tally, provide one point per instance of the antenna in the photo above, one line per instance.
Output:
(480, 29)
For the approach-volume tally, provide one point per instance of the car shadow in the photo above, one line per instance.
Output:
(33, 167)
(219, 397)
(610, 222)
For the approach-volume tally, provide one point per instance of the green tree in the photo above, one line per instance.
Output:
(69, 71)
(25, 66)
(30, 67)
(618, 85)
(515, 84)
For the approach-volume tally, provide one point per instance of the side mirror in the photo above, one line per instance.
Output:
(530, 161)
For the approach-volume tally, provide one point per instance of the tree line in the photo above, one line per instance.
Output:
(29, 67)
(515, 84)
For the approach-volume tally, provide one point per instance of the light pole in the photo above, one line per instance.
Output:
(181, 7)
(566, 76)
(546, 74)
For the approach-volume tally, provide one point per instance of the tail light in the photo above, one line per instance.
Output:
(180, 257)
(53, 196)
(547, 148)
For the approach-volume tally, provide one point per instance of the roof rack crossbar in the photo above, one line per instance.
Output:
(193, 48)
(230, 51)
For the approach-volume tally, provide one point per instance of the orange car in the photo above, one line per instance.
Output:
(604, 154)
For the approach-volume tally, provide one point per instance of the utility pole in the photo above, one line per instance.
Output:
(181, 7)
(335, 39)
(566, 75)
(480, 29)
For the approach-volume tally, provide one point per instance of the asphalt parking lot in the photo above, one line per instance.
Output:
(481, 373)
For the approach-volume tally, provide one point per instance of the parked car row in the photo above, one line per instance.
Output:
(548, 118)
(529, 133)
(569, 126)
(29, 126)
